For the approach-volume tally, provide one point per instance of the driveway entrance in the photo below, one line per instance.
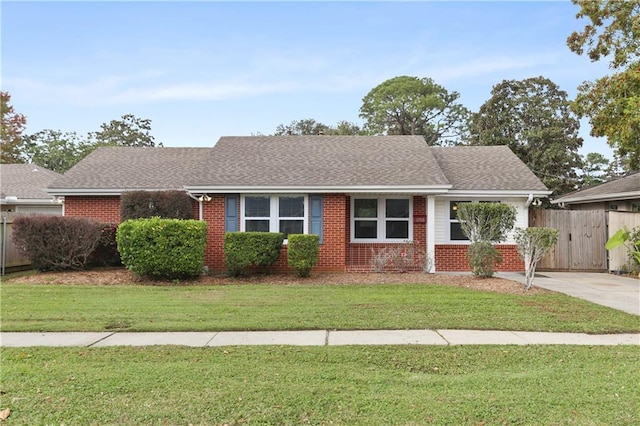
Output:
(614, 291)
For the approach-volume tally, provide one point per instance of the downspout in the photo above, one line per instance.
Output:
(529, 200)
(199, 200)
(431, 232)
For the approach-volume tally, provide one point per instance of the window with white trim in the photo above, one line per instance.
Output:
(274, 213)
(455, 229)
(376, 219)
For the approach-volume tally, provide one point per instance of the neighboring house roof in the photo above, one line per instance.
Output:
(118, 169)
(301, 163)
(623, 188)
(25, 183)
(485, 168)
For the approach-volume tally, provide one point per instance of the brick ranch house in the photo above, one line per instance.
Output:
(361, 194)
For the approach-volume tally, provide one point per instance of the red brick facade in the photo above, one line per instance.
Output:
(453, 257)
(337, 253)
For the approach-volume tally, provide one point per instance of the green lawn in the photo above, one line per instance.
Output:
(473, 385)
(295, 307)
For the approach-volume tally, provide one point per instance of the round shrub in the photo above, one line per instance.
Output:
(302, 253)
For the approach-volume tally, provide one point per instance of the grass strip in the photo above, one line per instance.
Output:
(297, 307)
(569, 385)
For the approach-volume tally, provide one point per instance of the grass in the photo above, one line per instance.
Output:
(297, 307)
(488, 385)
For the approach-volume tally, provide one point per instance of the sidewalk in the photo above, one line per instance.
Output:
(315, 338)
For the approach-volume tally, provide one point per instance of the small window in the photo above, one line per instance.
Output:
(635, 207)
(613, 207)
(381, 219)
(275, 213)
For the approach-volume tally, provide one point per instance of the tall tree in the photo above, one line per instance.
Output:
(129, 131)
(533, 118)
(309, 126)
(413, 106)
(11, 127)
(55, 150)
(594, 168)
(611, 103)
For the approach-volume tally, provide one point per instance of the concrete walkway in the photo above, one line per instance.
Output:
(315, 338)
(605, 289)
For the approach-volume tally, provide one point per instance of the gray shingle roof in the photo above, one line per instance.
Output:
(327, 161)
(129, 168)
(321, 162)
(25, 181)
(621, 188)
(485, 168)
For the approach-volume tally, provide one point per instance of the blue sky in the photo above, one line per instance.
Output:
(201, 70)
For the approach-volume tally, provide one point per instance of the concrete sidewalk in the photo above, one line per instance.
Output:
(315, 338)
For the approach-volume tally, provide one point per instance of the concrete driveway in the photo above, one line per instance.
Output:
(610, 290)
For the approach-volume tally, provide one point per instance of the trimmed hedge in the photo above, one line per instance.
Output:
(251, 249)
(163, 204)
(56, 243)
(163, 248)
(302, 252)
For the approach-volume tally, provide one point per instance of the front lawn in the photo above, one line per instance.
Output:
(45, 307)
(472, 385)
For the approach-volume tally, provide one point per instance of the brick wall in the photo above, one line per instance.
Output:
(453, 257)
(105, 209)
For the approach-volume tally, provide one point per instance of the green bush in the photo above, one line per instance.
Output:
(302, 253)
(56, 243)
(147, 204)
(482, 257)
(163, 248)
(251, 249)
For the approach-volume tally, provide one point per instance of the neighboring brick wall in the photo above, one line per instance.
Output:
(453, 257)
(105, 209)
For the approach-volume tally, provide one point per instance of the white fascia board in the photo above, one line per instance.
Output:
(28, 201)
(414, 189)
(597, 198)
(497, 194)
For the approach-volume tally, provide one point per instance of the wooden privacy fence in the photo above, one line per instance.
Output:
(619, 257)
(10, 257)
(582, 237)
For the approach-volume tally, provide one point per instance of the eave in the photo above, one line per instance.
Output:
(597, 198)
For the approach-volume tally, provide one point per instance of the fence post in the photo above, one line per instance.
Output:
(4, 242)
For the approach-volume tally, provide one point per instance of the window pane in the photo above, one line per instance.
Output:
(397, 208)
(365, 207)
(456, 232)
(256, 226)
(453, 209)
(291, 227)
(366, 229)
(398, 229)
(291, 206)
(256, 206)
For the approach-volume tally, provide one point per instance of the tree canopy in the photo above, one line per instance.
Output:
(11, 127)
(533, 118)
(413, 106)
(129, 131)
(54, 149)
(612, 103)
(309, 126)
